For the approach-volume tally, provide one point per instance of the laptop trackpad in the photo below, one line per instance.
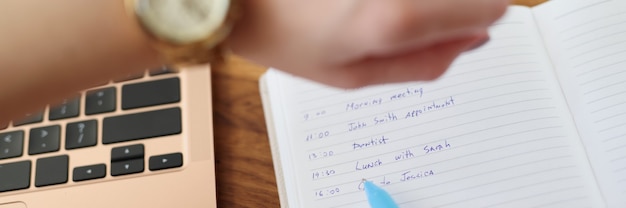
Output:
(13, 205)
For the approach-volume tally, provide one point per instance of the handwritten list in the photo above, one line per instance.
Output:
(493, 127)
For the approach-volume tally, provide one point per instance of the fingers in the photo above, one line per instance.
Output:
(411, 23)
(480, 13)
(444, 16)
(425, 64)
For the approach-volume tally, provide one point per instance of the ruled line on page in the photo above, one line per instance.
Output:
(611, 127)
(485, 78)
(600, 58)
(379, 95)
(490, 68)
(466, 123)
(513, 37)
(510, 156)
(585, 52)
(586, 72)
(591, 21)
(464, 134)
(616, 148)
(592, 30)
(338, 153)
(603, 87)
(439, 119)
(482, 173)
(460, 135)
(595, 39)
(601, 78)
(488, 49)
(580, 9)
(503, 157)
(418, 156)
(611, 116)
(332, 94)
(535, 195)
(610, 106)
(337, 93)
(508, 23)
(606, 97)
(577, 198)
(618, 159)
(512, 189)
(507, 179)
(341, 92)
(397, 89)
(474, 61)
(614, 137)
(619, 170)
(412, 106)
(450, 138)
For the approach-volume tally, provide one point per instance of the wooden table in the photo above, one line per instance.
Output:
(245, 174)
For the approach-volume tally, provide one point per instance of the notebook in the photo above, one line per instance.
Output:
(140, 140)
(534, 118)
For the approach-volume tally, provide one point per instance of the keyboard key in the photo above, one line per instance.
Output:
(100, 101)
(141, 125)
(162, 70)
(81, 134)
(127, 153)
(11, 144)
(30, 118)
(150, 93)
(14, 176)
(68, 109)
(44, 139)
(51, 171)
(161, 162)
(89, 172)
(129, 77)
(127, 167)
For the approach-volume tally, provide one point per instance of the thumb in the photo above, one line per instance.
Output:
(392, 26)
(425, 64)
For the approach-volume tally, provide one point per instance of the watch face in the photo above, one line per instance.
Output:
(182, 21)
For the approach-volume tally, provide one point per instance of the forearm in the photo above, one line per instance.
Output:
(51, 49)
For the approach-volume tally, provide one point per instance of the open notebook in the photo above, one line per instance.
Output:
(535, 118)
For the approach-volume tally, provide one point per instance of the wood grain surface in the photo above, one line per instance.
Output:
(245, 174)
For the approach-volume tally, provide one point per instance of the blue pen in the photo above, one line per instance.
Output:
(377, 197)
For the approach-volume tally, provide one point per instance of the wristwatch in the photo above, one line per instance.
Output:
(187, 32)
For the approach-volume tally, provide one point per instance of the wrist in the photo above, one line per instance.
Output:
(186, 32)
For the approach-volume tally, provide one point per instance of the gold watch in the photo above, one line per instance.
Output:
(187, 32)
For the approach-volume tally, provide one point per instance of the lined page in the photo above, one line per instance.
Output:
(494, 131)
(588, 42)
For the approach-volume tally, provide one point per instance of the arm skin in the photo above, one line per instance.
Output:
(49, 50)
(52, 49)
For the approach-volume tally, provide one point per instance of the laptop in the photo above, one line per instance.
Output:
(142, 140)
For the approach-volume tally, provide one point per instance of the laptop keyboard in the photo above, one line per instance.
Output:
(35, 150)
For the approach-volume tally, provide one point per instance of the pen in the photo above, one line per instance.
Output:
(377, 197)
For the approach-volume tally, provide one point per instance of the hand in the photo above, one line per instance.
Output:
(354, 43)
